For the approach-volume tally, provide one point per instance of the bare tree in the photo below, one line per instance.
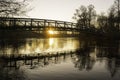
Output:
(91, 14)
(10, 8)
(81, 16)
(84, 15)
(114, 16)
(111, 16)
(102, 22)
(117, 7)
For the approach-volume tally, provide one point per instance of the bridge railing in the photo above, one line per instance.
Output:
(34, 23)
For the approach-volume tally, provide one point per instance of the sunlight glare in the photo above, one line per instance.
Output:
(51, 32)
(51, 41)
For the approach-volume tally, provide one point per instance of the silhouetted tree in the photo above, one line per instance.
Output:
(108, 25)
(81, 16)
(117, 8)
(84, 15)
(111, 19)
(91, 14)
(12, 7)
(102, 22)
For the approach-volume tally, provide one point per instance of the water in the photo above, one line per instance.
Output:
(59, 59)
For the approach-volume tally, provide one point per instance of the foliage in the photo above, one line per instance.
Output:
(109, 23)
(84, 15)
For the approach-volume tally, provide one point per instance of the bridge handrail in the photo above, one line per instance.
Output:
(29, 19)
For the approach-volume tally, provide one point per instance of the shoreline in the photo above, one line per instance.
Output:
(19, 34)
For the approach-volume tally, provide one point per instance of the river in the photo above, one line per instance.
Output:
(59, 59)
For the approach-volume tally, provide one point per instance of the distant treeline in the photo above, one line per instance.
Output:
(108, 22)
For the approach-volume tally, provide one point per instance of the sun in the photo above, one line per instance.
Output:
(51, 32)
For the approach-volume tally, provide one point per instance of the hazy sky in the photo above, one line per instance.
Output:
(64, 9)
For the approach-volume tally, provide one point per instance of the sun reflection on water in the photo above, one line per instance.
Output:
(51, 32)
(50, 45)
(51, 41)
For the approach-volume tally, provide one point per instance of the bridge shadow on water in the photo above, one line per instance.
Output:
(84, 58)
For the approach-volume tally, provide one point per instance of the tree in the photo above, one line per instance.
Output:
(91, 14)
(117, 7)
(84, 16)
(102, 22)
(81, 16)
(111, 16)
(12, 7)
(114, 16)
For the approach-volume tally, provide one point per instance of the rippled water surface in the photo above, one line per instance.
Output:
(59, 59)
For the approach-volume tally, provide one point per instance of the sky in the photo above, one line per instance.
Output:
(64, 9)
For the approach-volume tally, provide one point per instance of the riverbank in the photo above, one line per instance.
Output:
(17, 34)
(20, 34)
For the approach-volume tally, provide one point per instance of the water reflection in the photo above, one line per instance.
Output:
(32, 46)
(61, 59)
(51, 41)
